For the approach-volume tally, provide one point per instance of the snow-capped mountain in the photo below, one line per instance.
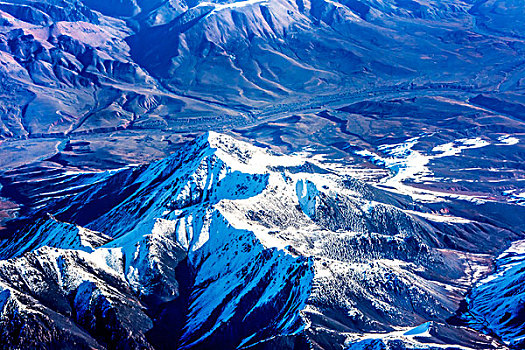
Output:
(227, 245)
(394, 220)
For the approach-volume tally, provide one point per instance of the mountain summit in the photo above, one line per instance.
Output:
(224, 244)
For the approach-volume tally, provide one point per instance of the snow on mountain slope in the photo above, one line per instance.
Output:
(53, 233)
(60, 296)
(408, 164)
(227, 243)
(235, 279)
(497, 303)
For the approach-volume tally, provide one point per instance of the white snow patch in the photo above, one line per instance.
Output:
(405, 163)
(229, 6)
(516, 196)
(456, 147)
(508, 140)
(439, 218)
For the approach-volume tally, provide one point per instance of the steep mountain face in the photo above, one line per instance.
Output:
(496, 303)
(385, 227)
(228, 245)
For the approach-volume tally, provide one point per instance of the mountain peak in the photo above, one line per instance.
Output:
(241, 155)
(234, 245)
(218, 140)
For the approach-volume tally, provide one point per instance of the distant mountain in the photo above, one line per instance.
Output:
(71, 67)
(227, 245)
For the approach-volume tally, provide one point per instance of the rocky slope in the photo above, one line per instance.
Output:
(73, 67)
(228, 245)
(404, 125)
(496, 304)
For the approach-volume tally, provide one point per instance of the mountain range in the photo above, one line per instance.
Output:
(227, 245)
(262, 174)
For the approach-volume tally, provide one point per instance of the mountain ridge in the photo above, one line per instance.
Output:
(367, 194)
(193, 237)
